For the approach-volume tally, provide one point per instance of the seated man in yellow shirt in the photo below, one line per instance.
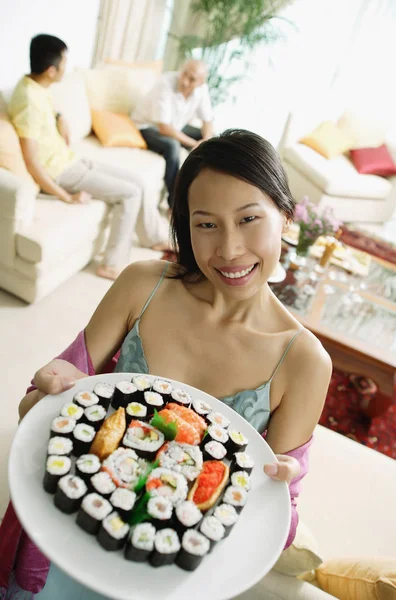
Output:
(59, 172)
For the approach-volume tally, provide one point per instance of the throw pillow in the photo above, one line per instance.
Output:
(301, 556)
(116, 130)
(367, 130)
(358, 578)
(11, 157)
(328, 140)
(373, 161)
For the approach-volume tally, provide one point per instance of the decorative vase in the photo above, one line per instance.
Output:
(304, 243)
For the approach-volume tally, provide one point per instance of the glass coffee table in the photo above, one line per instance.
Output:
(353, 316)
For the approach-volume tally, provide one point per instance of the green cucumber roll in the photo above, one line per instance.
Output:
(69, 493)
(61, 446)
(212, 529)
(104, 392)
(241, 479)
(124, 393)
(86, 466)
(62, 427)
(91, 513)
(227, 515)
(123, 501)
(103, 484)
(113, 532)
(194, 547)
(136, 410)
(160, 511)
(166, 547)
(236, 496)
(95, 415)
(55, 468)
(83, 436)
(85, 399)
(71, 409)
(237, 442)
(140, 543)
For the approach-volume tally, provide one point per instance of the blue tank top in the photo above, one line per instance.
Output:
(252, 405)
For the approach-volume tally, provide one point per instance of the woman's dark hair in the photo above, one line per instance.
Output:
(239, 153)
(45, 51)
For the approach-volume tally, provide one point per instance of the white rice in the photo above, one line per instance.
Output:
(88, 463)
(177, 456)
(177, 492)
(226, 514)
(125, 465)
(188, 513)
(142, 536)
(70, 409)
(133, 438)
(216, 450)
(218, 434)
(103, 483)
(84, 433)
(181, 396)
(136, 410)
(195, 543)
(58, 465)
(201, 407)
(123, 498)
(104, 390)
(96, 507)
(167, 541)
(63, 425)
(115, 526)
(241, 479)
(238, 437)
(212, 528)
(95, 413)
(236, 496)
(60, 446)
(126, 387)
(162, 387)
(86, 399)
(72, 486)
(243, 460)
(160, 508)
(153, 399)
(142, 382)
(218, 419)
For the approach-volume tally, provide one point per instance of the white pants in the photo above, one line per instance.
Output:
(132, 209)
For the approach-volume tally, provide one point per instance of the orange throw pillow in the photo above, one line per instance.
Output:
(116, 130)
(11, 157)
(329, 140)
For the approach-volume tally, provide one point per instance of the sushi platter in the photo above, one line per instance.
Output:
(158, 483)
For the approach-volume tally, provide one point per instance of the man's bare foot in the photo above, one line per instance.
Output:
(107, 272)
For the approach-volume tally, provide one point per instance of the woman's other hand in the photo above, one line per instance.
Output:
(57, 376)
(286, 469)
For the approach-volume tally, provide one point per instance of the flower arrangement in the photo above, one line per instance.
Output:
(313, 223)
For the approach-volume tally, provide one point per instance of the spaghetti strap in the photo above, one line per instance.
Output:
(154, 290)
(285, 352)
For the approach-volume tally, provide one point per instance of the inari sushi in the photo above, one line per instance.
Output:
(166, 547)
(92, 511)
(109, 435)
(69, 493)
(140, 543)
(209, 484)
(194, 547)
(112, 532)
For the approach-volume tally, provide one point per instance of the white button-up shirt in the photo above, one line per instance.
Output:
(165, 104)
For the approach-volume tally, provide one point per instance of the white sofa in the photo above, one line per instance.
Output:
(334, 183)
(347, 502)
(44, 241)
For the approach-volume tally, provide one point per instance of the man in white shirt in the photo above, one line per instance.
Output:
(164, 113)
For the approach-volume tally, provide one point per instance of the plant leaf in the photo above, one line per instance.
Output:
(168, 429)
(143, 477)
(140, 513)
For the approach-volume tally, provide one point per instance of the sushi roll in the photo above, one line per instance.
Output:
(236, 497)
(153, 401)
(123, 501)
(166, 547)
(55, 468)
(103, 484)
(86, 466)
(123, 394)
(62, 427)
(95, 415)
(113, 532)
(242, 462)
(142, 384)
(214, 451)
(212, 529)
(136, 410)
(61, 446)
(85, 399)
(216, 418)
(166, 483)
(124, 467)
(91, 513)
(163, 387)
(186, 515)
(227, 515)
(160, 511)
(83, 436)
(69, 493)
(241, 479)
(70, 409)
(104, 392)
(181, 458)
(237, 442)
(216, 433)
(140, 543)
(145, 439)
(203, 409)
(181, 397)
(194, 547)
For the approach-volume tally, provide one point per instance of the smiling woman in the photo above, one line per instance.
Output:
(211, 320)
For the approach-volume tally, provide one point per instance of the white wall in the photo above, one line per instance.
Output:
(74, 21)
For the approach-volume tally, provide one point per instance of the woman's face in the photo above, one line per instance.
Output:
(235, 233)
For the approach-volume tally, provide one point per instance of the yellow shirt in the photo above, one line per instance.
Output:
(33, 116)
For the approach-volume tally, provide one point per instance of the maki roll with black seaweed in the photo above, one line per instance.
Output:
(85, 399)
(61, 446)
(166, 547)
(113, 532)
(86, 466)
(124, 393)
(194, 547)
(83, 436)
(104, 392)
(69, 493)
(140, 543)
(123, 500)
(160, 511)
(92, 511)
(56, 467)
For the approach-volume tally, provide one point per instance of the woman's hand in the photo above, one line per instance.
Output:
(285, 470)
(57, 376)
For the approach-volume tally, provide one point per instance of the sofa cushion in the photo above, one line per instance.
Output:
(57, 227)
(301, 556)
(373, 161)
(115, 130)
(368, 130)
(328, 140)
(71, 100)
(11, 157)
(336, 177)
